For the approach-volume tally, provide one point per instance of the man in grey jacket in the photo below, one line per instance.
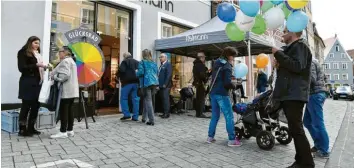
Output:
(313, 117)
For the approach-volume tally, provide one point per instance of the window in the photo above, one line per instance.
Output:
(342, 55)
(166, 30)
(122, 25)
(54, 11)
(87, 16)
(335, 66)
(345, 76)
(336, 76)
(326, 66)
(344, 66)
(337, 48)
(331, 55)
(328, 76)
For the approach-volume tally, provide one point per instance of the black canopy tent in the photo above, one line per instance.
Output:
(211, 38)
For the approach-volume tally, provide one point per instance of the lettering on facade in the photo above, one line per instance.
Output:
(198, 37)
(162, 4)
(83, 34)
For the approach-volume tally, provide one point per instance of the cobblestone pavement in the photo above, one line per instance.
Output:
(176, 142)
(342, 155)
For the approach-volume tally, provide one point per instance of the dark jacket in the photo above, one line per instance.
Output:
(317, 84)
(223, 82)
(293, 75)
(29, 84)
(262, 82)
(165, 75)
(200, 73)
(127, 71)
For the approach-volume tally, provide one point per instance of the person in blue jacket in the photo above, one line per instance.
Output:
(262, 82)
(220, 99)
(147, 74)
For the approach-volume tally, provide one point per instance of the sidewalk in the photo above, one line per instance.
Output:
(342, 155)
(176, 142)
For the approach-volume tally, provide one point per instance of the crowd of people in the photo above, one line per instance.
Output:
(299, 81)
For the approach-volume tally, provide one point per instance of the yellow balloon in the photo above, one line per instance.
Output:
(297, 4)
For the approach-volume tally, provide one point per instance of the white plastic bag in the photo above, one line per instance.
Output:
(45, 90)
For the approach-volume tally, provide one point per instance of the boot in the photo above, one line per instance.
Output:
(32, 130)
(23, 131)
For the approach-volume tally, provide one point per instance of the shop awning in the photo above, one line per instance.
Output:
(211, 38)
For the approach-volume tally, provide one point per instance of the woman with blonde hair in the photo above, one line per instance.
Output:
(66, 73)
(147, 74)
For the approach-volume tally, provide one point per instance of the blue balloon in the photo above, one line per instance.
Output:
(250, 7)
(297, 21)
(226, 12)
(276, 2)
(240, 70)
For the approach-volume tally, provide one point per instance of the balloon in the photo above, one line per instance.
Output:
(286, 11)
(262, 61)
(249, 7)
(287, 5)
(274, 18)
(275, 2)
(240, 70)
(297, 21)
(226, 12)
(266, 6)
(234, 33)
(261, 3)
(244, 22)
(259, 26)
(297, 4)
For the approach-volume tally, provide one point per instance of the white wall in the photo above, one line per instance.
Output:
(19, 20)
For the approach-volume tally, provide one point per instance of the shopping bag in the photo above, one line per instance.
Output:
(45, 90)
(53, 96)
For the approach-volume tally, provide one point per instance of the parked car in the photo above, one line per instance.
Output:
(343, 92)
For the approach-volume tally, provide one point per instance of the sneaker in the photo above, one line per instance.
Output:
(314, 149)
(210, 140)
(234, 143)
(59, 135)
(322, 155)
(70, 133)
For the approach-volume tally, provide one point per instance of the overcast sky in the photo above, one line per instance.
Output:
(334, 17)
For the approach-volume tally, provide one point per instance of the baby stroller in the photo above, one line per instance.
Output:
(185, 94)
(260, 119)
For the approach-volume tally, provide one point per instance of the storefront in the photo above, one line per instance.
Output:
(124, 26)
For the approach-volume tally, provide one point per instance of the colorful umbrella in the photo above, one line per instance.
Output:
(90, 63)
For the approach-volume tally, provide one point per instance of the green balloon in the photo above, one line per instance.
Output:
(259, 25)
(266, 6)
(286, 11)
(233, 32)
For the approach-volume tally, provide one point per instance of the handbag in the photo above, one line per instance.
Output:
(45, 89)
(53, 96)
(141, 89)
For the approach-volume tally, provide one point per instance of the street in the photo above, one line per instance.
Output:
(179, 141)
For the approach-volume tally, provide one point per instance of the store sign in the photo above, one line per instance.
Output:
(162, 4)
(83, 34)
(196, 37)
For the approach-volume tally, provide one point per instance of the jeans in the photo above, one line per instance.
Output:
(66, 115)
(132, 90)
(221, 103)
(165, 97)
(293, 111)
(148, 107)
(313, 121)
(200, 100)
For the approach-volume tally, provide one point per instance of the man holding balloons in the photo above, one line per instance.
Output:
(292, 90)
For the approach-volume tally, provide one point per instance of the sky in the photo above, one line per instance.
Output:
(335, 16)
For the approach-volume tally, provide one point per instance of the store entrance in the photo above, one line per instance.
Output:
(113, 27)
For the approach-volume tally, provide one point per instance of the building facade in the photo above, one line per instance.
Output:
(319, 46)
(338, 65)
(124, 26)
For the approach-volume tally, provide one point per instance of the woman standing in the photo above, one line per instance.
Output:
(147, 73)
(66, 73)
(29, 62)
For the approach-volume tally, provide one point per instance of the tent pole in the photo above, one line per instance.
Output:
(250, 68)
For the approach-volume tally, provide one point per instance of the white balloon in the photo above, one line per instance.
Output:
(244, 22)
(274, 18)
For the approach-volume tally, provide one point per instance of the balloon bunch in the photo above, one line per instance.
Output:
(259, 15)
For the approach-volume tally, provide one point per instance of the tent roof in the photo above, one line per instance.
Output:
(211, 38)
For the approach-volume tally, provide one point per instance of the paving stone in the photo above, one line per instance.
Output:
(24, 164)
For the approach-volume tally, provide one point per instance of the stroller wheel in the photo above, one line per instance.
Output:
(239, 133)
(247, 134)
(265, 140)
(284, 136)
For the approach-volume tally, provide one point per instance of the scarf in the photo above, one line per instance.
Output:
(40, 69)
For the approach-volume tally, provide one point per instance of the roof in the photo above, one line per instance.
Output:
(329, 45)
(351, 53)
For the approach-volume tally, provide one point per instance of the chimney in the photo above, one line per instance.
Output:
(335, 35)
